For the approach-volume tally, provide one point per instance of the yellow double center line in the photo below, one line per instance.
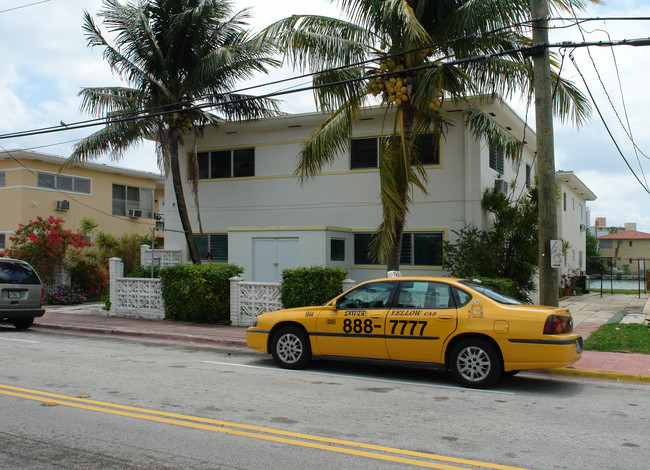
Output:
(256, 432)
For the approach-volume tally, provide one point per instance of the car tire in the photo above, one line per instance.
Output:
(475, 363)
(23, 323)
(290, 348)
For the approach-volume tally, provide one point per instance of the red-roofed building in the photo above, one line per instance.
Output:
(627, 247)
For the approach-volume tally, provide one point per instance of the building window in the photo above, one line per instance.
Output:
(212, 247)
(64, 183)
(564, 202)
(364, 153)
(580, 213)
(528, 175)
(337, 249)
(418, 249)
(2, 179)
(132, 201)
(606, 244)
(226, 163)
(2, 241)
(630, 243)
(496, 158)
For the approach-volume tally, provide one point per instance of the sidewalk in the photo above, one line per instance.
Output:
(589, 312)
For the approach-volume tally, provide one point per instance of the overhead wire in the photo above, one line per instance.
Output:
(600, 114)
(627, 129)
(299, 88)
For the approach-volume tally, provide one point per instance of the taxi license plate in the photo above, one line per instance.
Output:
(13, 294)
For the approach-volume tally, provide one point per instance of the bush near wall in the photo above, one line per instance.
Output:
(198, 293)
(302, 287)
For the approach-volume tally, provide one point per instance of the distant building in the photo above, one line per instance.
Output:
(32, 184)
(601, 228)
(629, 249)
(572, 219)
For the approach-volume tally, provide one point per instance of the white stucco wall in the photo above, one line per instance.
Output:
(340, 201)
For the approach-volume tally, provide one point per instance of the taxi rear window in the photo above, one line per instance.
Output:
(492, 293)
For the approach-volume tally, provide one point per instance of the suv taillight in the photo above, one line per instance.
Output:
(556, 324)
(42, 294)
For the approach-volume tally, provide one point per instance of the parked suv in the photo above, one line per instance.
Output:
(21, 293)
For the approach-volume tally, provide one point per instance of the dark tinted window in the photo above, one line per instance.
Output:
(364, 153)
(221, 164)
(243, 163)
(428, 148)
(212, 247)
(361, 248)
(17, 273)
(337, 249)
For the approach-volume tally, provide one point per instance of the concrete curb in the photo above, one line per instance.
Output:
(148, 334)
(600, 374)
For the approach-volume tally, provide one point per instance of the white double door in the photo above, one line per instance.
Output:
(271, 256)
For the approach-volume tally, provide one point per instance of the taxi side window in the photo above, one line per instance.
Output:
(424, 295)
(461, 297)
(374, 295)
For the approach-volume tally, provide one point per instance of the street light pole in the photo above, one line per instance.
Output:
(547, 202)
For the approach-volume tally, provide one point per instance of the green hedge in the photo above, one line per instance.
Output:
(302, 287)
(144, 271)
(198, 293)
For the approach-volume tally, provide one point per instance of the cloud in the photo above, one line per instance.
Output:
(46, 62)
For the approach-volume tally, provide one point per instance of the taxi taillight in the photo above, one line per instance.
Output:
(556, 324)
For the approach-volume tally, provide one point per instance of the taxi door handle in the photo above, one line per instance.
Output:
(446, 316)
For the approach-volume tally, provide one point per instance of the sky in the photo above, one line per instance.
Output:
(45, 62)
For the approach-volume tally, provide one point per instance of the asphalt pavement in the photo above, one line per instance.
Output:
(589, 311)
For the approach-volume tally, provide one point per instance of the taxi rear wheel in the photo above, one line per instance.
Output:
(290, 348)
(475, 363)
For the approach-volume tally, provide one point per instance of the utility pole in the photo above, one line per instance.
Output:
(548, 278)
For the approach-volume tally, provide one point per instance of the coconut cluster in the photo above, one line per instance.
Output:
(395, 87)
(183, 120)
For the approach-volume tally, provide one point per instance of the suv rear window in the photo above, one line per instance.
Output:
(17, 273)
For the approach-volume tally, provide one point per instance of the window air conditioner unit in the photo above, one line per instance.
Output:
(62, 205)
(501, 186)
(135, 213)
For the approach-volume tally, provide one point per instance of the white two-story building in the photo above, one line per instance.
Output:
(256, 213)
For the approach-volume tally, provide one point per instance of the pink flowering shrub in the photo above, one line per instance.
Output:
(66, 295)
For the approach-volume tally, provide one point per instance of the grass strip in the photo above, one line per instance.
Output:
(612, 337)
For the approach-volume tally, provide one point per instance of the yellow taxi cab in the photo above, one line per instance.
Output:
(466, 327)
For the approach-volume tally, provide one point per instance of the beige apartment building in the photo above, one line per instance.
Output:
(630, 250)
(120, 200)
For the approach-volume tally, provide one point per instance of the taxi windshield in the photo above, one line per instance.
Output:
(492, 293)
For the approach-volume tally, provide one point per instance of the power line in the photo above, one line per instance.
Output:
(605, 124)
(528, 50)
(24, 6)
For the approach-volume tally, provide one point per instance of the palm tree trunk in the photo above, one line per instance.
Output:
(180, 197)
(408, 118)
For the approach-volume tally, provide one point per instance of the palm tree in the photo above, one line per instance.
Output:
(409, 55)
(178, 58)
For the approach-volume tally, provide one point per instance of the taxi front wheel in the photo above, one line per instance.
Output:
(475, 363)
(290, 348)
